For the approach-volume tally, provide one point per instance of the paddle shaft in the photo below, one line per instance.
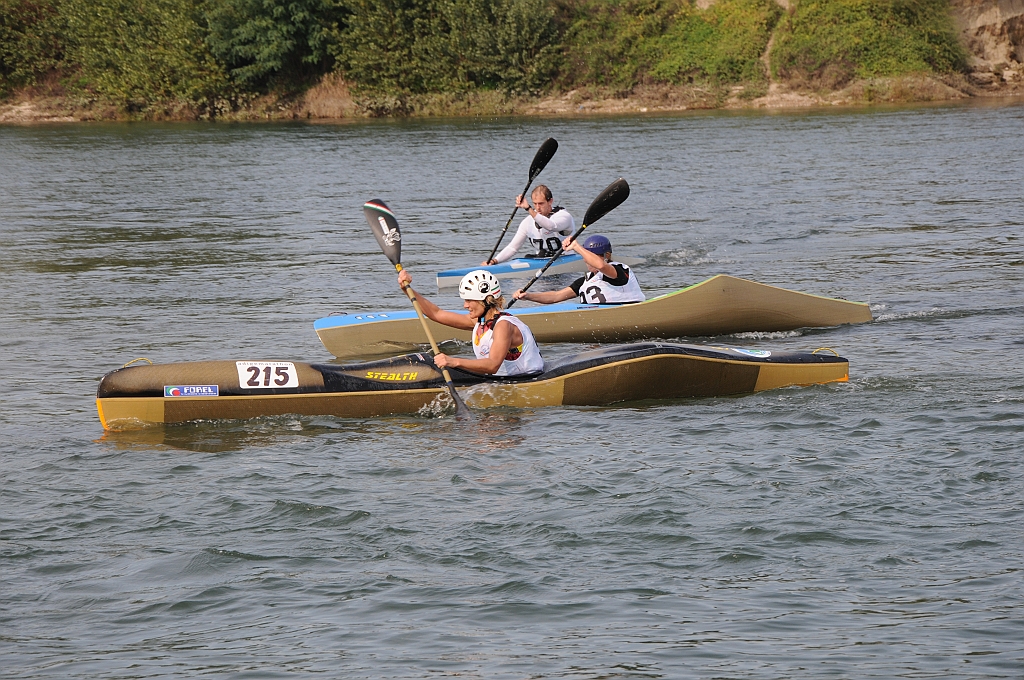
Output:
(510, 218)
(430, 336)
(540, 160)
(540, 272)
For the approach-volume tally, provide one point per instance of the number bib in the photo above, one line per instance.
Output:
(546, 243)
(546, 247)
(595, 290)
(266, 375)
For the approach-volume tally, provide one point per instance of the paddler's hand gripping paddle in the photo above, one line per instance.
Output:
(385, 229)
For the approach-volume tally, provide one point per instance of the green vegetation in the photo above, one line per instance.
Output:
(139, 52)
(422, 46)
(273, 44)
(30, 42)
(622, 44)
(827, 43)
(207, 57)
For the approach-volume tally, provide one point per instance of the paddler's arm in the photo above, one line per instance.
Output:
(546, 297)
(432, 311)
(509, 251)
(593, 259)
(504, 335)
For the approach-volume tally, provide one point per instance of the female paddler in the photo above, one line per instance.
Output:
(503, 344)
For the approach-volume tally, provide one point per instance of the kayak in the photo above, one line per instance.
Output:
(718, 306)
(135, 396)
(525, 267)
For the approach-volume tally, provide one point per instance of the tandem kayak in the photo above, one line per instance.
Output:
(525, 267)
(170, 393)
(718, 306)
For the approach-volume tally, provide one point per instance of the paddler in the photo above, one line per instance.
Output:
(503, 344)
(545, 226)
(606, 282)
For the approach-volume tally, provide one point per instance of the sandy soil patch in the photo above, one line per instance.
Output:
(29, 112)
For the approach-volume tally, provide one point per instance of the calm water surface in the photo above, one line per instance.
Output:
(869, 529)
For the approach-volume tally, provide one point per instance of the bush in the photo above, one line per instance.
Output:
(137, 53)
(829, 42)
(722, 44)
(262, 41)
(621, 44)
(419, 46)
(604, 39)
(30, 42)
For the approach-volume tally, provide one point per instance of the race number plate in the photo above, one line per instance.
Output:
(266, 375)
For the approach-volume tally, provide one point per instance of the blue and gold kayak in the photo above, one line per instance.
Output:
(718, 306)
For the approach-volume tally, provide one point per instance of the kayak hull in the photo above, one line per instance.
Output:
(718, 306)
(138, 395)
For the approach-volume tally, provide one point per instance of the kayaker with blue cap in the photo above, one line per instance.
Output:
(503, 344)
(606, 282)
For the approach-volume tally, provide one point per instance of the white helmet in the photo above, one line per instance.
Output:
(478, 284)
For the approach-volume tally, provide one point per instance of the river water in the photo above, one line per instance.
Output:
(867, 529)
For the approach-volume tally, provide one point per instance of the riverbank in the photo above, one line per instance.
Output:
(712, 54)
(333, 100)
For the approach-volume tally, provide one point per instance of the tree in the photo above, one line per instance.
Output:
(262, 42)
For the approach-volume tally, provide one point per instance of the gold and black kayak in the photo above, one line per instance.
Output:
(204, 390)
(718, 306)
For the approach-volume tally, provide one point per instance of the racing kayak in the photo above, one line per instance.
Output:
(525, 267)
(720, 305)
(135, 396)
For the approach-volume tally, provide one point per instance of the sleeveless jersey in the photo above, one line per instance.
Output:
(596, 290)
(525, 358)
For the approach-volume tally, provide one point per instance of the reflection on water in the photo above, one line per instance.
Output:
(490, 431)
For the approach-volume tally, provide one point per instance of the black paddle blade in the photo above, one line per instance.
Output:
(385, 229)
(609, 199)
(462, 411)
(544, 154)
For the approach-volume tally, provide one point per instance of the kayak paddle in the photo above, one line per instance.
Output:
(384, 226)
(612, 196)
(544, 154)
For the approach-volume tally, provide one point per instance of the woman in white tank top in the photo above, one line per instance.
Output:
(503, 344)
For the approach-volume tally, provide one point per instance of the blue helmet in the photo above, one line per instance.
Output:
(597, 244)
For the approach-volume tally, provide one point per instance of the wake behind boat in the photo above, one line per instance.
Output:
(718, 306)
(136, 396)
(524, 268)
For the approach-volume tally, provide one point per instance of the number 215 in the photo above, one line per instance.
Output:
(281, 373)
